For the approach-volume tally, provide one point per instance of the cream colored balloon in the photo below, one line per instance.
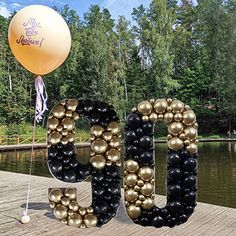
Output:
(39, 39)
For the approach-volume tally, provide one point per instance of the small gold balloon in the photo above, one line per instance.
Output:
(115, 142)
(169, 109)
(74, 206)
(64, 221)
(63, 102)
(90, 209)
(72, 104)
(65, 201)
(187, 108)
(190, 133)
(189, 118)
(82, 226)
(71, 193)
(147, 189)
(99, 146)
(131, 166)
(64, 140)
(55, 195)
(140, 183)
(160, 105)
(97, 130)
(55, 137)
(169, 136)
(59, 111)
(113, 155)
(168, 117)
(68, 123)
(148, 203)
(177, 106)
(75, 220)
(52, 204)
(136, 188)
(145, 108)
(175, 144)
(53, 123)
(145, 118)
(175, 128)
(118, 163)
(127, 203)
(152, 101)
(134, 211)
(160, 117)
(60, 211)
(182, 136)
(98, 162)
(169, 100)
(153, 117)
(82, 211)
(71, 137)
(141, 197)
(131, 195)
(107, 135)
(114, 127)
(178, 117)
(146, 173)
(134, 109)
(90, 220)
(186, 142)
(70, 212)
(59, 128)
(131, 179)
(64, 132)
(69, 113)
(75, 116)
(192, 148)
(109, 163)
(138, 203)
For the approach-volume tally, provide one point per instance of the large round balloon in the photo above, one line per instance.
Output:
(39, 38)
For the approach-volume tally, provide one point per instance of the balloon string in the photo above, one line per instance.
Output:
(40, 108)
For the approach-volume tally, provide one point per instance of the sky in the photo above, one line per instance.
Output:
(116, 7)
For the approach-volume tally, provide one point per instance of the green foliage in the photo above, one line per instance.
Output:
(170, 50)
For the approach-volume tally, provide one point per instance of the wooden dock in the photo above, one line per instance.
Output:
(206, 221)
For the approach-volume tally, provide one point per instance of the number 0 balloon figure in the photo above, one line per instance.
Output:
(40, 40)
(181, 163)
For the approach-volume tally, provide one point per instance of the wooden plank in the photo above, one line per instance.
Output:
(206, 221)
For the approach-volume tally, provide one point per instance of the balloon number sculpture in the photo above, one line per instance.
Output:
(139, 164)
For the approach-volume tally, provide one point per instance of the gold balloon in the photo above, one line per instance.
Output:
(60, 211)
(134, 211)
(131, 166)
(177, 106)
(189, 118)
(64, 140)
(90, 209)
(148, 203)
(55, 195)
(82, 211)
(131, 179)
(160, 117)
(114, 127)
(160, 105)
(71, 137)
(190, 133)
(147, 189)
(182, 136)
(54, 137)
(69, 114)
(75, 220)
(186, 142)
(59, 111)
(90, 220)
(53, 123)
(115, 142)
(141, 197)
(113, 155)
(82, 226)
(98, 162)
(140, 183)
(99, 146)
(136, 188)
(175, 144)
(65, 201)
(153, 117)
(97, 130)
(131, 195)
(64, 221)
(145, 108)
(72, 104)
(192, 148)
(178, 117)
(138, 203)
(64, 132)
(71, 193)
(59, 128)
(169, 109)
(168, 117)
(52, 204)
(70, 212)
(145, 118)
(175, 128)
(107, 135)
(68, 123)
(74, 206)
(146, 173)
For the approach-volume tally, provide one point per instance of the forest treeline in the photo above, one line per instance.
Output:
(185, 51)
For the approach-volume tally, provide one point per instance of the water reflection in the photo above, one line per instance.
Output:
(217, 169)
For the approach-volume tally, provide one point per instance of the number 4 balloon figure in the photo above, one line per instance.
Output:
(139, 164)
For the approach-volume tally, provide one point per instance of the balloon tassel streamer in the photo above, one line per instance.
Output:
(40, 108)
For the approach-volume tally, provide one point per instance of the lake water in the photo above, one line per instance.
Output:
(216, 169)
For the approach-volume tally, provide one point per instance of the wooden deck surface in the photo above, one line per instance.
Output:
(206, 221)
